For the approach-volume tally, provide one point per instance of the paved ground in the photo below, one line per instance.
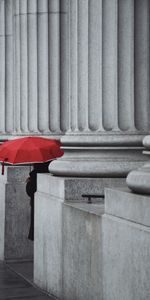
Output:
(15, 287)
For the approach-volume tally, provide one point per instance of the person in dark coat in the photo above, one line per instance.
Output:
(31, 187)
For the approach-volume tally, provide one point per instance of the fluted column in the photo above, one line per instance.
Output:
(41, 67)
(42, 56)
(6, 67)
(108, 68)
(23, 67)
(9, 114)
(2, 66)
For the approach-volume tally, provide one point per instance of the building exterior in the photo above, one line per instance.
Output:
(78, 70)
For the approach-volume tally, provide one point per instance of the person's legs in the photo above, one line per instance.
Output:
(31, 230)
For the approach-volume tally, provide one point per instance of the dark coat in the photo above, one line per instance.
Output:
(31, 188)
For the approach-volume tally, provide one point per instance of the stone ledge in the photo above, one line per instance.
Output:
(124, 204)
(71, 189)
(95, 208)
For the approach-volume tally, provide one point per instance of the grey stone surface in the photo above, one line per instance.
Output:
(126, 257)
(138, 180)
(126, 244)
(48, 244)
(124, 204)
(97, 156)
(67, 252)
(40, 68)
(68, 242)
(146, 142)
(97, 161)
(9, 118)
(104, 95)
(2, 63)
(15, 215)
(71, 189)
(82, 253)
(2, 218)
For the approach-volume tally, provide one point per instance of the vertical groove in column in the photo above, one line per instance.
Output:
(54, 65)
(83, 12)
(9, 65)
(73, 65)
(95, 65)
(42, 46)
(64, 65)
(141, 69)
(126, 64)
(32, 66)
(17, 68)
(2, 66)
(23, 67)
(110, 68)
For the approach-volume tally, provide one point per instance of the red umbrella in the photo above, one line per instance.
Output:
(29, 150)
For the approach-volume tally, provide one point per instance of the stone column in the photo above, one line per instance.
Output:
(9, 113)
(107, 123)
(109, 75)
(40, 60)
(138, 180)
(6, 69)
(2, 64)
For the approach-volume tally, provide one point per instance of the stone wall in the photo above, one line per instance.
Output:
(15, 215)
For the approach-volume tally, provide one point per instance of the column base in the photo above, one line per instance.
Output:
(99, 156)
(139, 180)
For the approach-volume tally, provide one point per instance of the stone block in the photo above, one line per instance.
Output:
(82, 252)
(127, 205)
(68, 236)
(71, 189)
(126, 257)
(15, 215)
(48, 244)
(126, 244)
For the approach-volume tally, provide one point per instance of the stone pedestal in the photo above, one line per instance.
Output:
(14, 215)
(68, 242)
(126, 244)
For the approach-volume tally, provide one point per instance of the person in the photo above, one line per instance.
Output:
(31, 187)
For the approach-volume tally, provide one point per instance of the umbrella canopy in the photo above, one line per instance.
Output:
(29, 150)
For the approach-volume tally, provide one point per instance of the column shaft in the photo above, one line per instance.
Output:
(32, 67)
(23, 67)
(141, 68)
(17, 68)
(95, 66)
(126, 49)
(105, 131)
(110, 76)
(54, 65)
(9, 117)
(64, 65)
(43, 78)
(2, 66)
